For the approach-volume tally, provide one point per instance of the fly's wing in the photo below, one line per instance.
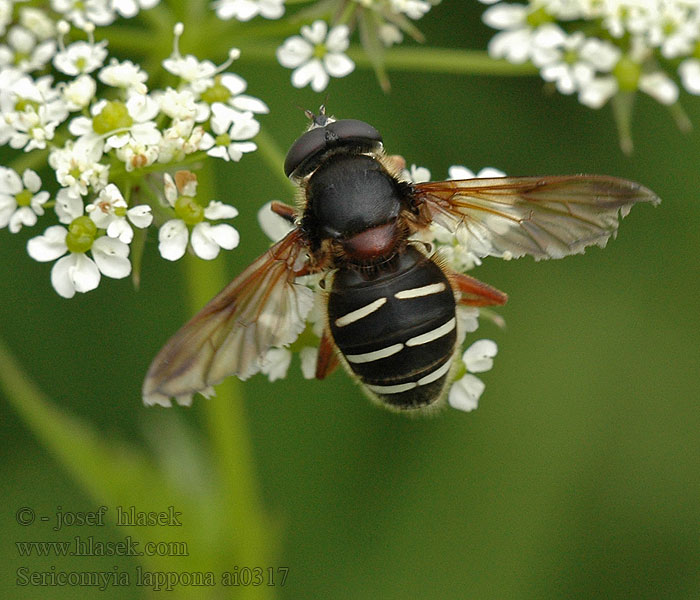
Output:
(545, 217)
(260, 309)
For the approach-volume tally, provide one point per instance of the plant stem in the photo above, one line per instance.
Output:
(445, 60)
(226, 423)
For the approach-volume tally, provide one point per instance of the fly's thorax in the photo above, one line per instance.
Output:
(349, 194)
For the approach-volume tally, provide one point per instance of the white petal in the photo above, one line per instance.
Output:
(598, 91)
(111, 257)
(140, 215)
(338, 65)
(490, 172)
(660, 87)
(242, 10)
(236, 150)
(514, 46)
(459, 172)
(603, 55)
(244, 129)
(37, 202)
(309, 358)
(69, 205)
(31, 181)
(582, 73)
(10, 181)
(554, 71)
(234, 83)
(81, 126)
(274, 226)
(207, 141)
(479, 356)
(219, 210)
(170, 189)
(467, 322)
(74, 273)
(49, 246)
(219, 152)
(222, 116)
(208, 239)
(417, 174)
(202, 243)
(276, 362)
(121, 230)
(142, 107)
(689, 71)
(316, 32)
(146, 134)
(118, 140)
(7, 209)
(99, 217)
(549, 36)
(172, 239)
(541, 57)
(225, 235)
(22, 216)
(338, 38)
(250, 103)
(465, 393)
(294, 52)
(271, 9)
(505, 16)
(309, 72)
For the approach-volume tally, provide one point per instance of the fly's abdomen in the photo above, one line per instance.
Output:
(397, 330)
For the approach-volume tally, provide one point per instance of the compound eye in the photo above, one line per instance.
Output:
(310, 148)
(308, 145)
(352, 130)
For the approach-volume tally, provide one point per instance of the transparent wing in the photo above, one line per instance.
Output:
(262, 308)
(545, 217)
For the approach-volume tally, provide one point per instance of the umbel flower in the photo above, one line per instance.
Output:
(97, 120)
(606, 50)
(206, 238)
(21, 200)
(76, 271)
(316, 55)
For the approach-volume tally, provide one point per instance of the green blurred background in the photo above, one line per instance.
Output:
(577, 477)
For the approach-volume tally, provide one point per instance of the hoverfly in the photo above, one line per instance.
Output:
(390, 302)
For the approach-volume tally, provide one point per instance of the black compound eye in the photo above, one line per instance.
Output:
(307, 146)
(306, 151)
(352, 130)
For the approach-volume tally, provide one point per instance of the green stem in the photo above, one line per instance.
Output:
(622, 104)
(27, 399)
(445, 60)
(434, 60)
(226, 423)
(422, 59)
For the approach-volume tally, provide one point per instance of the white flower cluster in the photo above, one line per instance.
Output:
(599, 48)
(105, 136)
(318, 52)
